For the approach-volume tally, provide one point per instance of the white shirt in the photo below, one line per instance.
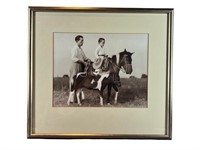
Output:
(77, 54)
(99, 51)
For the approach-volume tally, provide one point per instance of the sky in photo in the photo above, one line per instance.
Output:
(114, 43)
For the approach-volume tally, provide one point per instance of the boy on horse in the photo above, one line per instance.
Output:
(102, 61)
(100, 57)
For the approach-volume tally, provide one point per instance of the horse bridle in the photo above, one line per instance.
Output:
(118, 65)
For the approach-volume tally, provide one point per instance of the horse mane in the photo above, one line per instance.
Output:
(114, 59)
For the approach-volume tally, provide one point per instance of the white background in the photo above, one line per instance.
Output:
(14, 78)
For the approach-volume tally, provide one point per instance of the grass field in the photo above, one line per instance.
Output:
(132, 93)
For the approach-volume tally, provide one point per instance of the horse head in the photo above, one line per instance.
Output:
(125, 61)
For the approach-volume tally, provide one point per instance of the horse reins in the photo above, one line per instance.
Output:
(121, 69)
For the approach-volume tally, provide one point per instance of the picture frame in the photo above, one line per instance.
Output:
(47, 120)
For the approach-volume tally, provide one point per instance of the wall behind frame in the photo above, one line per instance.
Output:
(14, 68)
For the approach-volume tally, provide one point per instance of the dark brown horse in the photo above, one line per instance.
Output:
(109, 79)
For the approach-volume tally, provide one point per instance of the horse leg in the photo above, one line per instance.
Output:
(71, 97)
(72, 91)
(101, 93)
(109, 93)
(101, 97)
(78, 92)
(82, 94)
(116, 93)
(116, 96)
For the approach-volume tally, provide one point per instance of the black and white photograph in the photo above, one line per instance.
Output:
(100, 70)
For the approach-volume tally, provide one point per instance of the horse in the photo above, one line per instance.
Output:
(110, 78)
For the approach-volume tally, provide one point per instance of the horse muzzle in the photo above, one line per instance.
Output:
(128, 69)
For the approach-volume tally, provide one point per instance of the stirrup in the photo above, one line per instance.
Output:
(96, 72)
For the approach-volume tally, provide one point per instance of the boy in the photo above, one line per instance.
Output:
(100, 52)
(100, 55)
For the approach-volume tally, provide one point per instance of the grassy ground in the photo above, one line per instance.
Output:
(133, 93)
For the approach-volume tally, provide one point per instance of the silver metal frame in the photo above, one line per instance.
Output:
(31, 98)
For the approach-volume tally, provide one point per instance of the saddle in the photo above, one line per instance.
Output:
(101, 63)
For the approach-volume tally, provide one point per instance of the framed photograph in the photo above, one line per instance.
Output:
(100, 73)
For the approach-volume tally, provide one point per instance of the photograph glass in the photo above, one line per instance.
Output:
(127, 89)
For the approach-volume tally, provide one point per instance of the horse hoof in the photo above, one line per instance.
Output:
(108, 104)
(79, 104)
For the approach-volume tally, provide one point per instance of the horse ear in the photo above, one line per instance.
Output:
(124, 50)
(132, 53)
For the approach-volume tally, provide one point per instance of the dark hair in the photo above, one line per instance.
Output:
(101, 39)
(77, 38)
